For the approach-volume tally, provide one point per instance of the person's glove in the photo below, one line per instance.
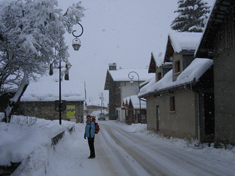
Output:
(84, 137)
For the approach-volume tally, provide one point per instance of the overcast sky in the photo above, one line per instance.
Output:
(120, 31)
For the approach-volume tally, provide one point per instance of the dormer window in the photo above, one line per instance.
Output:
(177, 66)
(159, 76)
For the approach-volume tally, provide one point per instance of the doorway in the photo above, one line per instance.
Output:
(157, 119)
(209, 115)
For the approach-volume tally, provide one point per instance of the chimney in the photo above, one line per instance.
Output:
(113, 66)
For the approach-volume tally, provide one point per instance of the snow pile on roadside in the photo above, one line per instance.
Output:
(133, 128)
(192, 145)
(142, 130)
(66, 154)
(18, 141)
(70, 154)
(31, 143)
(25, 136)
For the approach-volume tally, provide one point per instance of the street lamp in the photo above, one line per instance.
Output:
(131, 76)
(76, 43)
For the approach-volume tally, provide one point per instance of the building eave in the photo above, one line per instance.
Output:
(219, 12)
(167, 89)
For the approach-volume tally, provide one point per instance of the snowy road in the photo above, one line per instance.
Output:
(125, 150)
(122, 153)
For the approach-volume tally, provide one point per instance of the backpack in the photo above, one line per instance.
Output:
(97, 128)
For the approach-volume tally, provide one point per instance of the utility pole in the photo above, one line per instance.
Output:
(101, 95)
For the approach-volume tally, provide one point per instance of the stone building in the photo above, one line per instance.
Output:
(39, 98)
(118, 84)
(130, 110)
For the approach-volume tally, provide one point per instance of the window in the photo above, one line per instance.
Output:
(159, 76)
(177, 66)
(172, 103)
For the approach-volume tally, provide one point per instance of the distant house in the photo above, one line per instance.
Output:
(177, 99)
(90, 108)
(39, 98)
(218, 43)
(130, 109)
(118, 84)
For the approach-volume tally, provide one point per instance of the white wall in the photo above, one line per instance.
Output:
(122, 115)
(128, 89)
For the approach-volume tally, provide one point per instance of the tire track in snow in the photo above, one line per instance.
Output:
(147, 163)
(113, 159)
(187, 162)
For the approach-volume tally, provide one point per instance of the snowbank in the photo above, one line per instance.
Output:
(193, 145)
(25, 135)
(29, 141)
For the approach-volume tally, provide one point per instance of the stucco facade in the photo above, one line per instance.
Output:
(128, 89)
(176, 107)
(181, 123)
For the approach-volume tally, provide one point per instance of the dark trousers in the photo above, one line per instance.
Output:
(91, 146)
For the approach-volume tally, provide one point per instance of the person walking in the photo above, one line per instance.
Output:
(90, 135)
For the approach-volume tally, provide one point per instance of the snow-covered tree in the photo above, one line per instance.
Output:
(192, 16)
(31, 37)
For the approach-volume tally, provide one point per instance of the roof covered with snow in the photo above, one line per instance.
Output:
(157, 61)
(135, 102)
(193, 72)
(184, 40)
(46, 88)
(122, 75)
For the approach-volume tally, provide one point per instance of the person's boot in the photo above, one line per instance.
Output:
(90, 157)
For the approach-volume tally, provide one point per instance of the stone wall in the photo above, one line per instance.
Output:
(46, 110)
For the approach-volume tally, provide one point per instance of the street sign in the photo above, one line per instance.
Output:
(57, 105)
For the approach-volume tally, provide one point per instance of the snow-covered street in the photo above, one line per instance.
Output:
(125, 153)
(120, 150)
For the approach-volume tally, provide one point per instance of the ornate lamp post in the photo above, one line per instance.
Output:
(76, 43)
(131, 76)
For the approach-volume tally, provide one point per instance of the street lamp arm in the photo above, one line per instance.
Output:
(131, 76)
(75, 31)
